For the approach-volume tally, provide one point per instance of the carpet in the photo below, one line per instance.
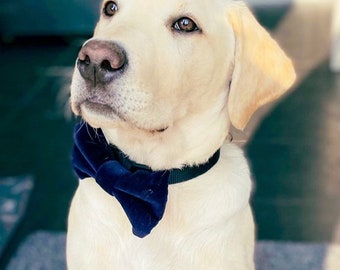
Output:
(46, 251)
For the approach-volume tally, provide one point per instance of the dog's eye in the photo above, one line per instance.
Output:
(185, 24)
(110, 8)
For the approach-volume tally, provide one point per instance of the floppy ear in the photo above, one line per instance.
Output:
(262, 71)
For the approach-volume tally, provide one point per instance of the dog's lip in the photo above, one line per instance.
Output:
(161, 130)
(97, 100)
(99, 106)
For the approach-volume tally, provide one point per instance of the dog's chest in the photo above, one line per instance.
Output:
(198, 219)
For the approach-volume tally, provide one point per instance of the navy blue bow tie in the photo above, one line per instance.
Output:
(141, 192)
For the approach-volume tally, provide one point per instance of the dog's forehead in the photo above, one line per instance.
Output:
(195, 7)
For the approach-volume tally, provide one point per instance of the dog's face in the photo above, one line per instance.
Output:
(173, 58)
(155, 70)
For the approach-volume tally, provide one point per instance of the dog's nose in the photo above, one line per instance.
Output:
(101, 61)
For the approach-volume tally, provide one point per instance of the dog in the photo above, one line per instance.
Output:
(162, 82)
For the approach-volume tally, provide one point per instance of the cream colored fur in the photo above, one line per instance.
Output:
(179, 82)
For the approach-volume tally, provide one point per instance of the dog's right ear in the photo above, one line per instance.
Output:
(262, 71)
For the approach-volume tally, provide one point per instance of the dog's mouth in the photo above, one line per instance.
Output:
(100, 108)
(97, 100)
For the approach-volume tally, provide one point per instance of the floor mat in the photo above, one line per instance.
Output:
(46, 250)
(40, 251)
(14, 194)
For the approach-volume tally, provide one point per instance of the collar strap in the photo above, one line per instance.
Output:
(176, 175)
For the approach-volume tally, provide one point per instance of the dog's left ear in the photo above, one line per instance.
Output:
(262, 71)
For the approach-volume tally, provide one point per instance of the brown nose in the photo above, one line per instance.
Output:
(100, 61)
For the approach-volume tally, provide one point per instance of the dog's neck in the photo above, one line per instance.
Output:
(176, 176)
(188, 142)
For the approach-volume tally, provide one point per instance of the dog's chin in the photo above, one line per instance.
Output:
(100, 115)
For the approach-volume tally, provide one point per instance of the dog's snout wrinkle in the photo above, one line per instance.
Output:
(100, 62)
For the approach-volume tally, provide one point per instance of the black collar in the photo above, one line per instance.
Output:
(176, 175)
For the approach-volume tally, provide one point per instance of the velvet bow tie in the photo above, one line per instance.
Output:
(141, 192)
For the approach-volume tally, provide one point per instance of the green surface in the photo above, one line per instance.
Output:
(296, 163)
(36, 138)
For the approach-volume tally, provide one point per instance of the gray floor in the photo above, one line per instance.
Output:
(45, 251)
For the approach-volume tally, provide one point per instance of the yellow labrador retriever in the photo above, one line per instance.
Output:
(158, 87)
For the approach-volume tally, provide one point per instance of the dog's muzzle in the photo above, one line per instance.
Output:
(100, 62)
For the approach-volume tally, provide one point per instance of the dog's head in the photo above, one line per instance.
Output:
(163, 79)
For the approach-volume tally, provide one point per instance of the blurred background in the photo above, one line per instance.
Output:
(293, 145)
